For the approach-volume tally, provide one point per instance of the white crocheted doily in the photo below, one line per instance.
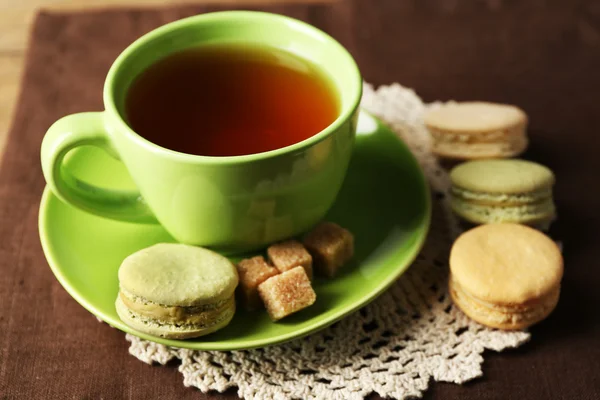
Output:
(395, 345)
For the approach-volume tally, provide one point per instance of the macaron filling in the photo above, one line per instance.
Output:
(505, 314)
(533, 197)
(137, 319)
(483, 213)
(508, 147)
(493, 136)
(193, 315)
(193, 308)
(196, 321)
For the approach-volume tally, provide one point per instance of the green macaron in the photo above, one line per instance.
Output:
(176, 291)
(512, 190)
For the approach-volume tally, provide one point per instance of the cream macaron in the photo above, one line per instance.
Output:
(474, 130)
(505, 276)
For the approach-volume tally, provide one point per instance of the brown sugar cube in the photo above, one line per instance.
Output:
(290, 254)
(331, 247)
(252, 272)
(286, 293)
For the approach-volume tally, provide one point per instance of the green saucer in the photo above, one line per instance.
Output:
(384, 201)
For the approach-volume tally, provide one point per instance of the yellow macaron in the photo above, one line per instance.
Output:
(505, 276)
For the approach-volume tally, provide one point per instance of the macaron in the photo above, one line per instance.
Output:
(505, 276)
(474, 130)
(176, 291)
(512, 190)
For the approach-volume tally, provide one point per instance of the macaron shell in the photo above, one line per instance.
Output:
(502, 176)
(497, 317)
(506, 263)
(171, 331)
(178, 275)
(475, 117)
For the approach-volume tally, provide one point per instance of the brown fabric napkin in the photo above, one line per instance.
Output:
(543, 56)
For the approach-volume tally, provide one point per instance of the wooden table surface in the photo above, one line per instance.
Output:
(16, 17)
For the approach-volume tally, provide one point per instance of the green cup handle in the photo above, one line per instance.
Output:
(85, 129)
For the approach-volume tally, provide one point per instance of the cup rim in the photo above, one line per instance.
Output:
(344, 115)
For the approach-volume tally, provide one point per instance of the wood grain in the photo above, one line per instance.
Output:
(15, 21)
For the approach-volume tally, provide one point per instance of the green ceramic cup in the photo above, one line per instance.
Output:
(232, 204)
